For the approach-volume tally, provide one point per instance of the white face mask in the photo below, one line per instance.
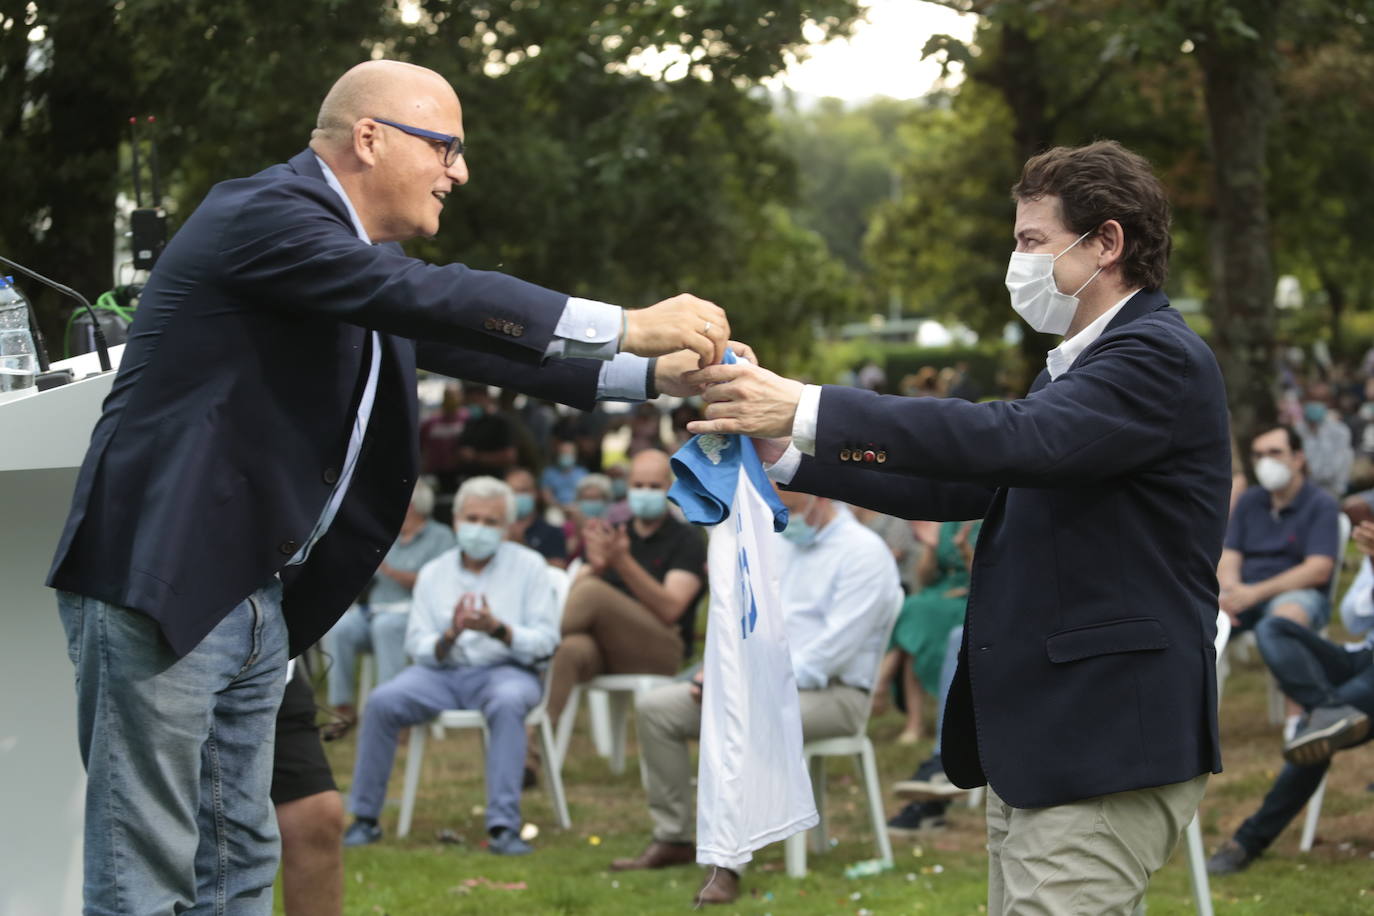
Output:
(1034, 294)
(1273, 474)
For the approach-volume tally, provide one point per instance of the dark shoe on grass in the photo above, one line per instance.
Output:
(721, 886)
(658, 855)
(918, 817)
(1326, 730)
(1229, 859)
(506, 842)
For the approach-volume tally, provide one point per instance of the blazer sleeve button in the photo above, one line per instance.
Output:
(870, 456)
(517, 330)
(489, 324)
(844, 454)
(882, 457)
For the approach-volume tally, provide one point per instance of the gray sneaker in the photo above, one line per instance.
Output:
(1326, 730)
(1229, 859)
(361, 833)
(507, 842)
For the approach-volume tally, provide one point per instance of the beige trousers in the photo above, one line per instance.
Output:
(1092, 857)
(668, 719)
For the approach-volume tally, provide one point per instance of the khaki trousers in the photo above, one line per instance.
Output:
(668, 719)
(605, 631)
(1092, 857)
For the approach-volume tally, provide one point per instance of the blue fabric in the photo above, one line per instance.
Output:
(707, 471)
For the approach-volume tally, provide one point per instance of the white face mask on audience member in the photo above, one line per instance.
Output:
(1273, 474)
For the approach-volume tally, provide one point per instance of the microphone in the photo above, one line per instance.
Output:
(102, 350)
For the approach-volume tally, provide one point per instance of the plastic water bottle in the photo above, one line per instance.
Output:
(18, 358)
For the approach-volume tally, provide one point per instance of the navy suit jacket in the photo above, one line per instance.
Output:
(229, 420)
(1087, 665)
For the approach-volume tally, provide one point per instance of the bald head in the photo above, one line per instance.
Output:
(380, 89)
(650, 468)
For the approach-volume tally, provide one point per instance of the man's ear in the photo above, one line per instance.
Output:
(367, 139)
(1112, 239)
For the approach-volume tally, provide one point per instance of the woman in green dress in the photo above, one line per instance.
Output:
(918, 640)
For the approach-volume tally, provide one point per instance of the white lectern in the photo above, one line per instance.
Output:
(43, 438)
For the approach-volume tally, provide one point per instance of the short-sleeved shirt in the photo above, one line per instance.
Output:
(675, 545)
(408, 556)
(562, 482)
(546, 539)
(1272, 543)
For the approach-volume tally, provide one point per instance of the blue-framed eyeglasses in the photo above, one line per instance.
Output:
(453, 146)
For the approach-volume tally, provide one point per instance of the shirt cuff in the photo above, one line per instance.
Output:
(623, 378)
(587, 329)
(785, 468)
(804, 422)
(808, 678)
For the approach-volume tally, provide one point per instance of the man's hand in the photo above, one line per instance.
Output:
(683, 322)
(596, 535)
(618, 545)
(746, 400)
(671, 369)
(1364, 538)
(696, 682)
(1238, 598)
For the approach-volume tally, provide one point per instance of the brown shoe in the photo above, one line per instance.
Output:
(658, 855)
(721, 886)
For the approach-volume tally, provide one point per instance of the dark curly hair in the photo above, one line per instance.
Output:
(1103, 181)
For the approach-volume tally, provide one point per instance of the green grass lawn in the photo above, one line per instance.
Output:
(940, 873)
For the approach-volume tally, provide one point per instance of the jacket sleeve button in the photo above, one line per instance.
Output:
(844, 454)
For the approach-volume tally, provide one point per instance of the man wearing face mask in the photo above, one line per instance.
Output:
(1085, 696)
(1281, 541)
(1325, 441)
(840, 595)
(529, 527)
(632, 609)
(482, 615)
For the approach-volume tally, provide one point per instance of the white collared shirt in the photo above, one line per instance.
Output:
(1058, 360)
(518, 588)
(839, 598)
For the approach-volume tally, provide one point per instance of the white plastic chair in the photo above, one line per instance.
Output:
(1197, 856)
(537, 718)
(860, 747)
(367, 676)
(609, 698)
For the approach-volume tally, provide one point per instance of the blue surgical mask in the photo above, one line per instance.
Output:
(647, 503)
(566, 460)
(1314, 411)
(799, 532)
(524, 504)
(592, 508)
(478, 541)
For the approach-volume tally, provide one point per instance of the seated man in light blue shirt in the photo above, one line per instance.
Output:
(482, 615)
(378, 625)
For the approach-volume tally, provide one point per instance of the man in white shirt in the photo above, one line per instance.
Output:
(840, 595)
(483, 614)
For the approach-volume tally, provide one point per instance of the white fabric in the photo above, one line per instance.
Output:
(752, 784)
(1061, 357)
(1357, 607)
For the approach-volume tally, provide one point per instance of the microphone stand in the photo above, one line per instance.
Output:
(101, 348)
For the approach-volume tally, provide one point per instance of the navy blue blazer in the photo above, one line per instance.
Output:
(230, 416)
(1088, 664)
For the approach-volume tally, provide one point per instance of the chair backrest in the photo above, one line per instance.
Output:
(1223, 634)
(1343, 529)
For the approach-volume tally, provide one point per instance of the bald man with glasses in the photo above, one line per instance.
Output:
(269, 384)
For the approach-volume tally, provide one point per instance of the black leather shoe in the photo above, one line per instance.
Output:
(1229, 859)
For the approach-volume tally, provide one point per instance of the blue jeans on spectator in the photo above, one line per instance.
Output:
(364, 629)
(1314, 671)
(504, 693)
(178, 756)
(1314, 602)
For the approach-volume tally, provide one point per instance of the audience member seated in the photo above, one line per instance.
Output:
(1325, 440)
(439, 440)
(632, 606)
(1280, 545)
(560, 479)
(592, 500)
(918, 641)
(378, 625)
(840, 592)
(488, 444)
(484, 614)
(1335, 686)
(529, 527)
(898, 535)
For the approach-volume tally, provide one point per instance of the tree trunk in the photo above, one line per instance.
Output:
(1239, 88)
(1335, 298)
